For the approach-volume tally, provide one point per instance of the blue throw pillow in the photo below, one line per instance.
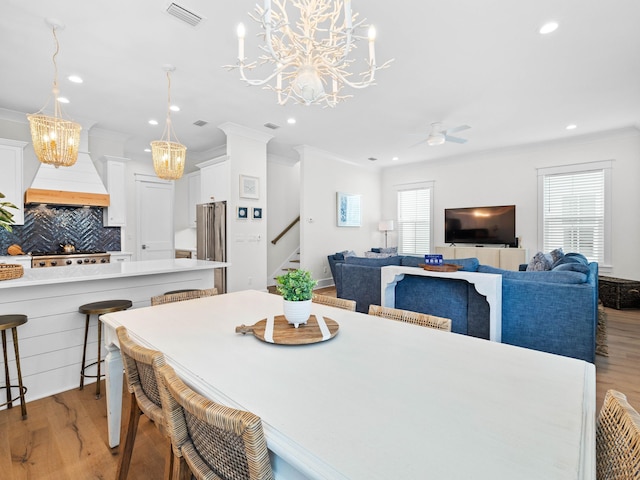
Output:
(577, 256)
(572, 267)
(338, 256)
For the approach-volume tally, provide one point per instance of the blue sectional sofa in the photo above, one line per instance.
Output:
(552, 311)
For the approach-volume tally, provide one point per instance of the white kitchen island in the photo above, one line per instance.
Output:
(51, 341)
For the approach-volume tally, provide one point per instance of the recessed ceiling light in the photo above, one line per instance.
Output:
(548, 28)
(63, 100)
(153, 122)
(174, 108)
(573, 126)
(147, 150)
(291, 121)
(395, 159)
(74, 79)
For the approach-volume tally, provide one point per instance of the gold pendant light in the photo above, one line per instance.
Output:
(168, 157)
(55, 140)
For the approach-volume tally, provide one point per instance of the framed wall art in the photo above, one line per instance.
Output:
(348, 209)
(256, 213)
(249, 187)
(243, 213)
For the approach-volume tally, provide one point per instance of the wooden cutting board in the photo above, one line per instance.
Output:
(279, 331)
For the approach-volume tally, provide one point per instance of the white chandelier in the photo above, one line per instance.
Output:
(310, 55)
(168, 156)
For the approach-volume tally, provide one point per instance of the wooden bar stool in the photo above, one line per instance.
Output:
(13, 322)
(97, 308)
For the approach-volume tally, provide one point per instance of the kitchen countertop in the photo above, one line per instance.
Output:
(83, 273)
(13, 258)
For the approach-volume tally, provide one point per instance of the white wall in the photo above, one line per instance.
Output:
(283, 206)
(508, 177)
(246, 239)
(322, 176)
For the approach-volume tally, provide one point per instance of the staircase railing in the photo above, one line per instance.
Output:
(286, 229)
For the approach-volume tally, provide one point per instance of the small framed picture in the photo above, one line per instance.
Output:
(257, 213)
(249, 187)
(348, 209)
(243, 213)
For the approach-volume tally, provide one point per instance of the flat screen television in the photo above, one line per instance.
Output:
(481, 225)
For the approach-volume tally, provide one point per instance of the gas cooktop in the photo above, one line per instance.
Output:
(59, 252)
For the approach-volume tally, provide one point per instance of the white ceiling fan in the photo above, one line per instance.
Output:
(438, 135)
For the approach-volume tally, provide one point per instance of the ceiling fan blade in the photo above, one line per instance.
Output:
(421, 142)
(457, 129)
(455, 139)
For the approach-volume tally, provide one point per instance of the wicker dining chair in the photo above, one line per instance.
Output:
(617, 439)
(210, 440)
(422, 319)
(140, 366)
(181, 296)
(334, 302)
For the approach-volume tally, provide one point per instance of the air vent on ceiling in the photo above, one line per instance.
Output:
(200, 123)
(372, 159)
(272, 126)
(184, 14)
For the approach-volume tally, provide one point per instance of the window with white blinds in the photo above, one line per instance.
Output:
(574, 211)
(414, 219)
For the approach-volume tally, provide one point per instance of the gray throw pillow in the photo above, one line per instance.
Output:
(539, 262)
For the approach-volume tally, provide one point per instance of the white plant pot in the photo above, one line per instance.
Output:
(297, 313)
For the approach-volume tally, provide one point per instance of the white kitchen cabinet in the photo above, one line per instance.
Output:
(115, 215)
(11, 183)
(117, 257)
(193, 181)
(215, 180)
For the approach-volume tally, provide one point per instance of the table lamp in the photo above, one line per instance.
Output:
(385, 226)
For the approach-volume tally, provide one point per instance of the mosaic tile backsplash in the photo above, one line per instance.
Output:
(46, 227)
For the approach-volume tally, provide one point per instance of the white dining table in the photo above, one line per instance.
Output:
(381, 400)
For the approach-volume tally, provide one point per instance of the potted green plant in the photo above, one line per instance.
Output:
(6, 217)
(296, 288)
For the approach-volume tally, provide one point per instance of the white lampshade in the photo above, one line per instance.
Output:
(385, 225)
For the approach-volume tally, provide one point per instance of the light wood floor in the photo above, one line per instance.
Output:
(65, 435)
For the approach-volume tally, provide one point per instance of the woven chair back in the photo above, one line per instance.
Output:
(140, 364)
(617, 439)
(182, 296)
(214, 440)
(422, 319)
(334, 302)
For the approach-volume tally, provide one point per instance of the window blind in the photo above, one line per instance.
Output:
(414, 221)
(574, 213)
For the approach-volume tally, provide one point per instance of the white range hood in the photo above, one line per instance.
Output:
(79, 184)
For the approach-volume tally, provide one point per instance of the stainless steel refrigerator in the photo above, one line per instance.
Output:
(211, 243)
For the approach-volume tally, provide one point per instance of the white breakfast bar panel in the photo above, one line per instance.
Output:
(381, 400)
(51, 341)
(487, 284)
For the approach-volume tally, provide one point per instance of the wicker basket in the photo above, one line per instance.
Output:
(9, 271)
